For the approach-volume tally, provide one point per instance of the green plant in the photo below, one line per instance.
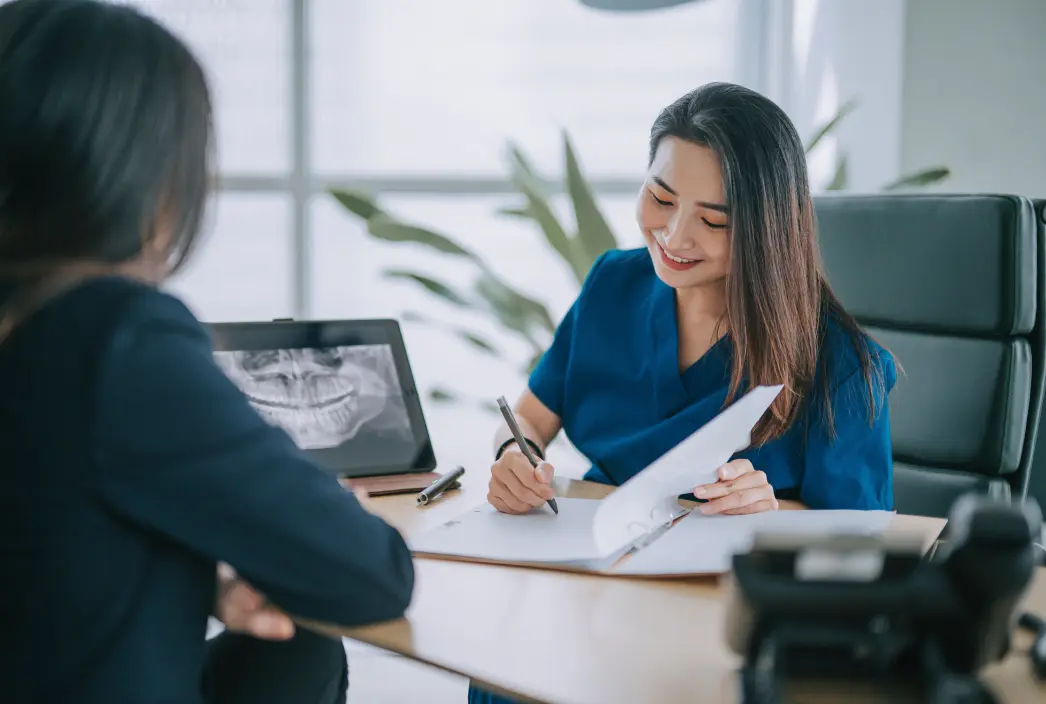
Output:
(577, 245)
(521, 315)
(841, 177)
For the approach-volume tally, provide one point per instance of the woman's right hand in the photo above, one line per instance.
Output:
(516, 486)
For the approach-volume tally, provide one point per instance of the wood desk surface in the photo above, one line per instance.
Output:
(558, 637)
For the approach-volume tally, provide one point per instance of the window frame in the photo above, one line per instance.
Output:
(303, 184)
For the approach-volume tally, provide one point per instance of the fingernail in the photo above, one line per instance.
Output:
(706, 509)
(278, 625)
(700, 491)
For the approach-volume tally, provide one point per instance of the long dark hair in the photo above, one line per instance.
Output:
(105, 132)
(778, 300)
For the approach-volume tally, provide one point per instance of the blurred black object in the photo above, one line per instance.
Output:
(860, 607)
(1037, 626)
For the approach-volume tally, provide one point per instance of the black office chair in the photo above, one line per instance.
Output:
(1037, 478)
(953, 286)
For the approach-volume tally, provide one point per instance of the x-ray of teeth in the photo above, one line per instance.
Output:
(321, 397)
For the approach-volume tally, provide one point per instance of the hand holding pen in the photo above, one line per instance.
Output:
(519, 480)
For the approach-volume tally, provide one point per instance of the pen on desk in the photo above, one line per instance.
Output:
(444, 483)
(524, 446)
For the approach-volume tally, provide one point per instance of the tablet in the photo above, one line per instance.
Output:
(342, 389)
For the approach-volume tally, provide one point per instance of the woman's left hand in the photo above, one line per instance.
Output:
(740, 489)
(244, 610)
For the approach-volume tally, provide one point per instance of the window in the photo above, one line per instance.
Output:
(435, 88)
(421, 98)
(240, 271)
(244, 46)
(416, 101)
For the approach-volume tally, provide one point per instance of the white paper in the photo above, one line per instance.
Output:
(539, 536)
(700, 544)
(649, 499)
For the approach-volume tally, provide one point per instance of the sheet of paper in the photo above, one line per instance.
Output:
(649, 499)
(539, 537)
(700, 544)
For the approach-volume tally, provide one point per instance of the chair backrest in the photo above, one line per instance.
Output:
(953, 286)
(1037, 475)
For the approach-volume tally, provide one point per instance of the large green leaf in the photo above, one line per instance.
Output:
(539, 209)
(519, 161)
(523, 212)
(434, 287)
(441, 395)
(472, 339)
(830, 126)
(514, 311)
(477, 342)
(532, 363)
(386, 228)
(594, 235)
(493, 289)
(842, 175)
(358, 203)
(919, 179)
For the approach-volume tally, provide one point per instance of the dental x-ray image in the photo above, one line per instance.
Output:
(326, 397)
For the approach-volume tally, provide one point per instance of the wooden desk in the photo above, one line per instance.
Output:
(558, 637)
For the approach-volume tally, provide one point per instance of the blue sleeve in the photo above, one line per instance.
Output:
(548, 380)
(181, 453)
(853, 470)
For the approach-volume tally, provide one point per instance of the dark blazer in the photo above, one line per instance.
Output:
(130, 465)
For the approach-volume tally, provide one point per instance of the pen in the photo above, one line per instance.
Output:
(444, 483)
(524, 446)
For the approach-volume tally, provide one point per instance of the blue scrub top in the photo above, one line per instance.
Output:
(612, 376)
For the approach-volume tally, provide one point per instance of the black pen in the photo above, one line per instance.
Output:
(444, 483)
(524, 446)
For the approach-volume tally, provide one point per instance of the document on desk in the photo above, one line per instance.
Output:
(536, 537)
(700, 544)
(642, 516)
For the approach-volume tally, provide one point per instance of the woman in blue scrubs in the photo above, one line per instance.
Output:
(727, 294)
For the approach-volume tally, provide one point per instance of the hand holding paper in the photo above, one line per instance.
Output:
(741, 489)
(649, 499)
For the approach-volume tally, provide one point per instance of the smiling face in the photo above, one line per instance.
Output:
(683, 215)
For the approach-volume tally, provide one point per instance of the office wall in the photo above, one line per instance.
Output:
(824, 53)
(973, 97)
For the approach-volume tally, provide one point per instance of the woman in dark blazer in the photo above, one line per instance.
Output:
(139, 492)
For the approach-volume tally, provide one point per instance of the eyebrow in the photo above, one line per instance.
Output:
(711, 206)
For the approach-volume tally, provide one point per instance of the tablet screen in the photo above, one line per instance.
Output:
(344, 403)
